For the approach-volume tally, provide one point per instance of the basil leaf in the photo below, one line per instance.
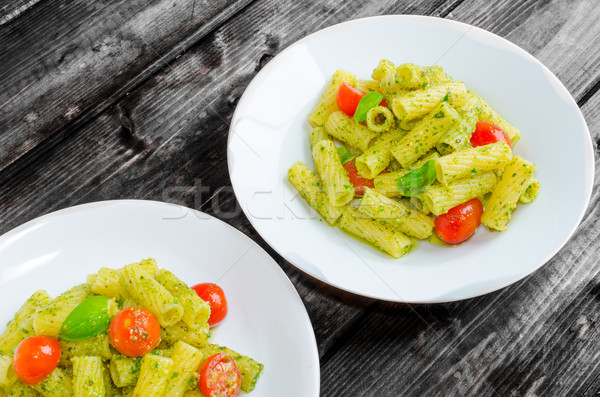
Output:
(88, 319)
(446, 97)
(416, 181)
(367, 103)
(344, 155)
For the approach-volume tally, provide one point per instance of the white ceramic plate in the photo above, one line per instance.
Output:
(266, 318)
(269, 132)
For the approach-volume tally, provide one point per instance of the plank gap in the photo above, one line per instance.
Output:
(594, 88)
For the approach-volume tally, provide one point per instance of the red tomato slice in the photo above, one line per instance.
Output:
(486, 133)
(134, 331)
(215, 297)
(460, 222)
(358, 181)
(35, 358)
(219, 377)
(348, 98)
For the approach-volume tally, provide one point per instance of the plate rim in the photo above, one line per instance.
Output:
(588, 152)
(155, 205)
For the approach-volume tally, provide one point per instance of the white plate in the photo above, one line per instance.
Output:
(269, 132)
(266, 318)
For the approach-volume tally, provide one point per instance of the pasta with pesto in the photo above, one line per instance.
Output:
(106, 338)
(397, 156)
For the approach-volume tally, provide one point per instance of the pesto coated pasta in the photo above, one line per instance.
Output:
(114, 336)
(411, 154)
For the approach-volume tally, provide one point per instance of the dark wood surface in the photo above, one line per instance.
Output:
(123, 99)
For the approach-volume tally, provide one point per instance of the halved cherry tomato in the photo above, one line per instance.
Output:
(35, 358)
(134, 331)
(460, 222)
(219, 377)
(348, 98)
(215, 297)
(358, 181)
(486, 133)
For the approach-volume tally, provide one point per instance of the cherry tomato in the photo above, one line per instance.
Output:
(134, 331)
(35, 358)
(460, 222)
(358, 181)
(215, 297)
(219, 377)
(486, 133)
(348, 98)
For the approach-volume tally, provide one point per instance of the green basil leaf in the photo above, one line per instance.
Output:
(446, 97)
(416, 181)
(88, 319)
(367, 103)
(344, 155)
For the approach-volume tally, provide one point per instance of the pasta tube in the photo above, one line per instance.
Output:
(7, 374)
(425, 134)
(390, 87)
(384, 67)
(531, 191)
(327, 104)
(440, 199)
(21, 325)
(378, 156)
(507, 192)
(384, 237)
(49, 317)
(317, 135)
(57, 384)
(380, 119)
(195, 311)
(473, 161)
(335, 178)
(312, 190)
(416, 104)
(151, 295)
(88, 378)
(186, 360)
(108, 282)
(20, 389)
(181, 332)
(124, 371)
(395, 213)
(412, 76)
(367, 86)
(343, 127)
(154, 376)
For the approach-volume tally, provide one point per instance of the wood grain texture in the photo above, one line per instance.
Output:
(62, 59)
(166, 141)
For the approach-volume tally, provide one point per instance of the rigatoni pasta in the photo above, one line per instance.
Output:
(94, 358)
(400, 154)
(337, 185)
(514, 181)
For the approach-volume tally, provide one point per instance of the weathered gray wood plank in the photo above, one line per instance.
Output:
(10, 10)
(168, 138)
(62, 59)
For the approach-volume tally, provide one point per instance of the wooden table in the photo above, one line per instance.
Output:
(116, 99)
